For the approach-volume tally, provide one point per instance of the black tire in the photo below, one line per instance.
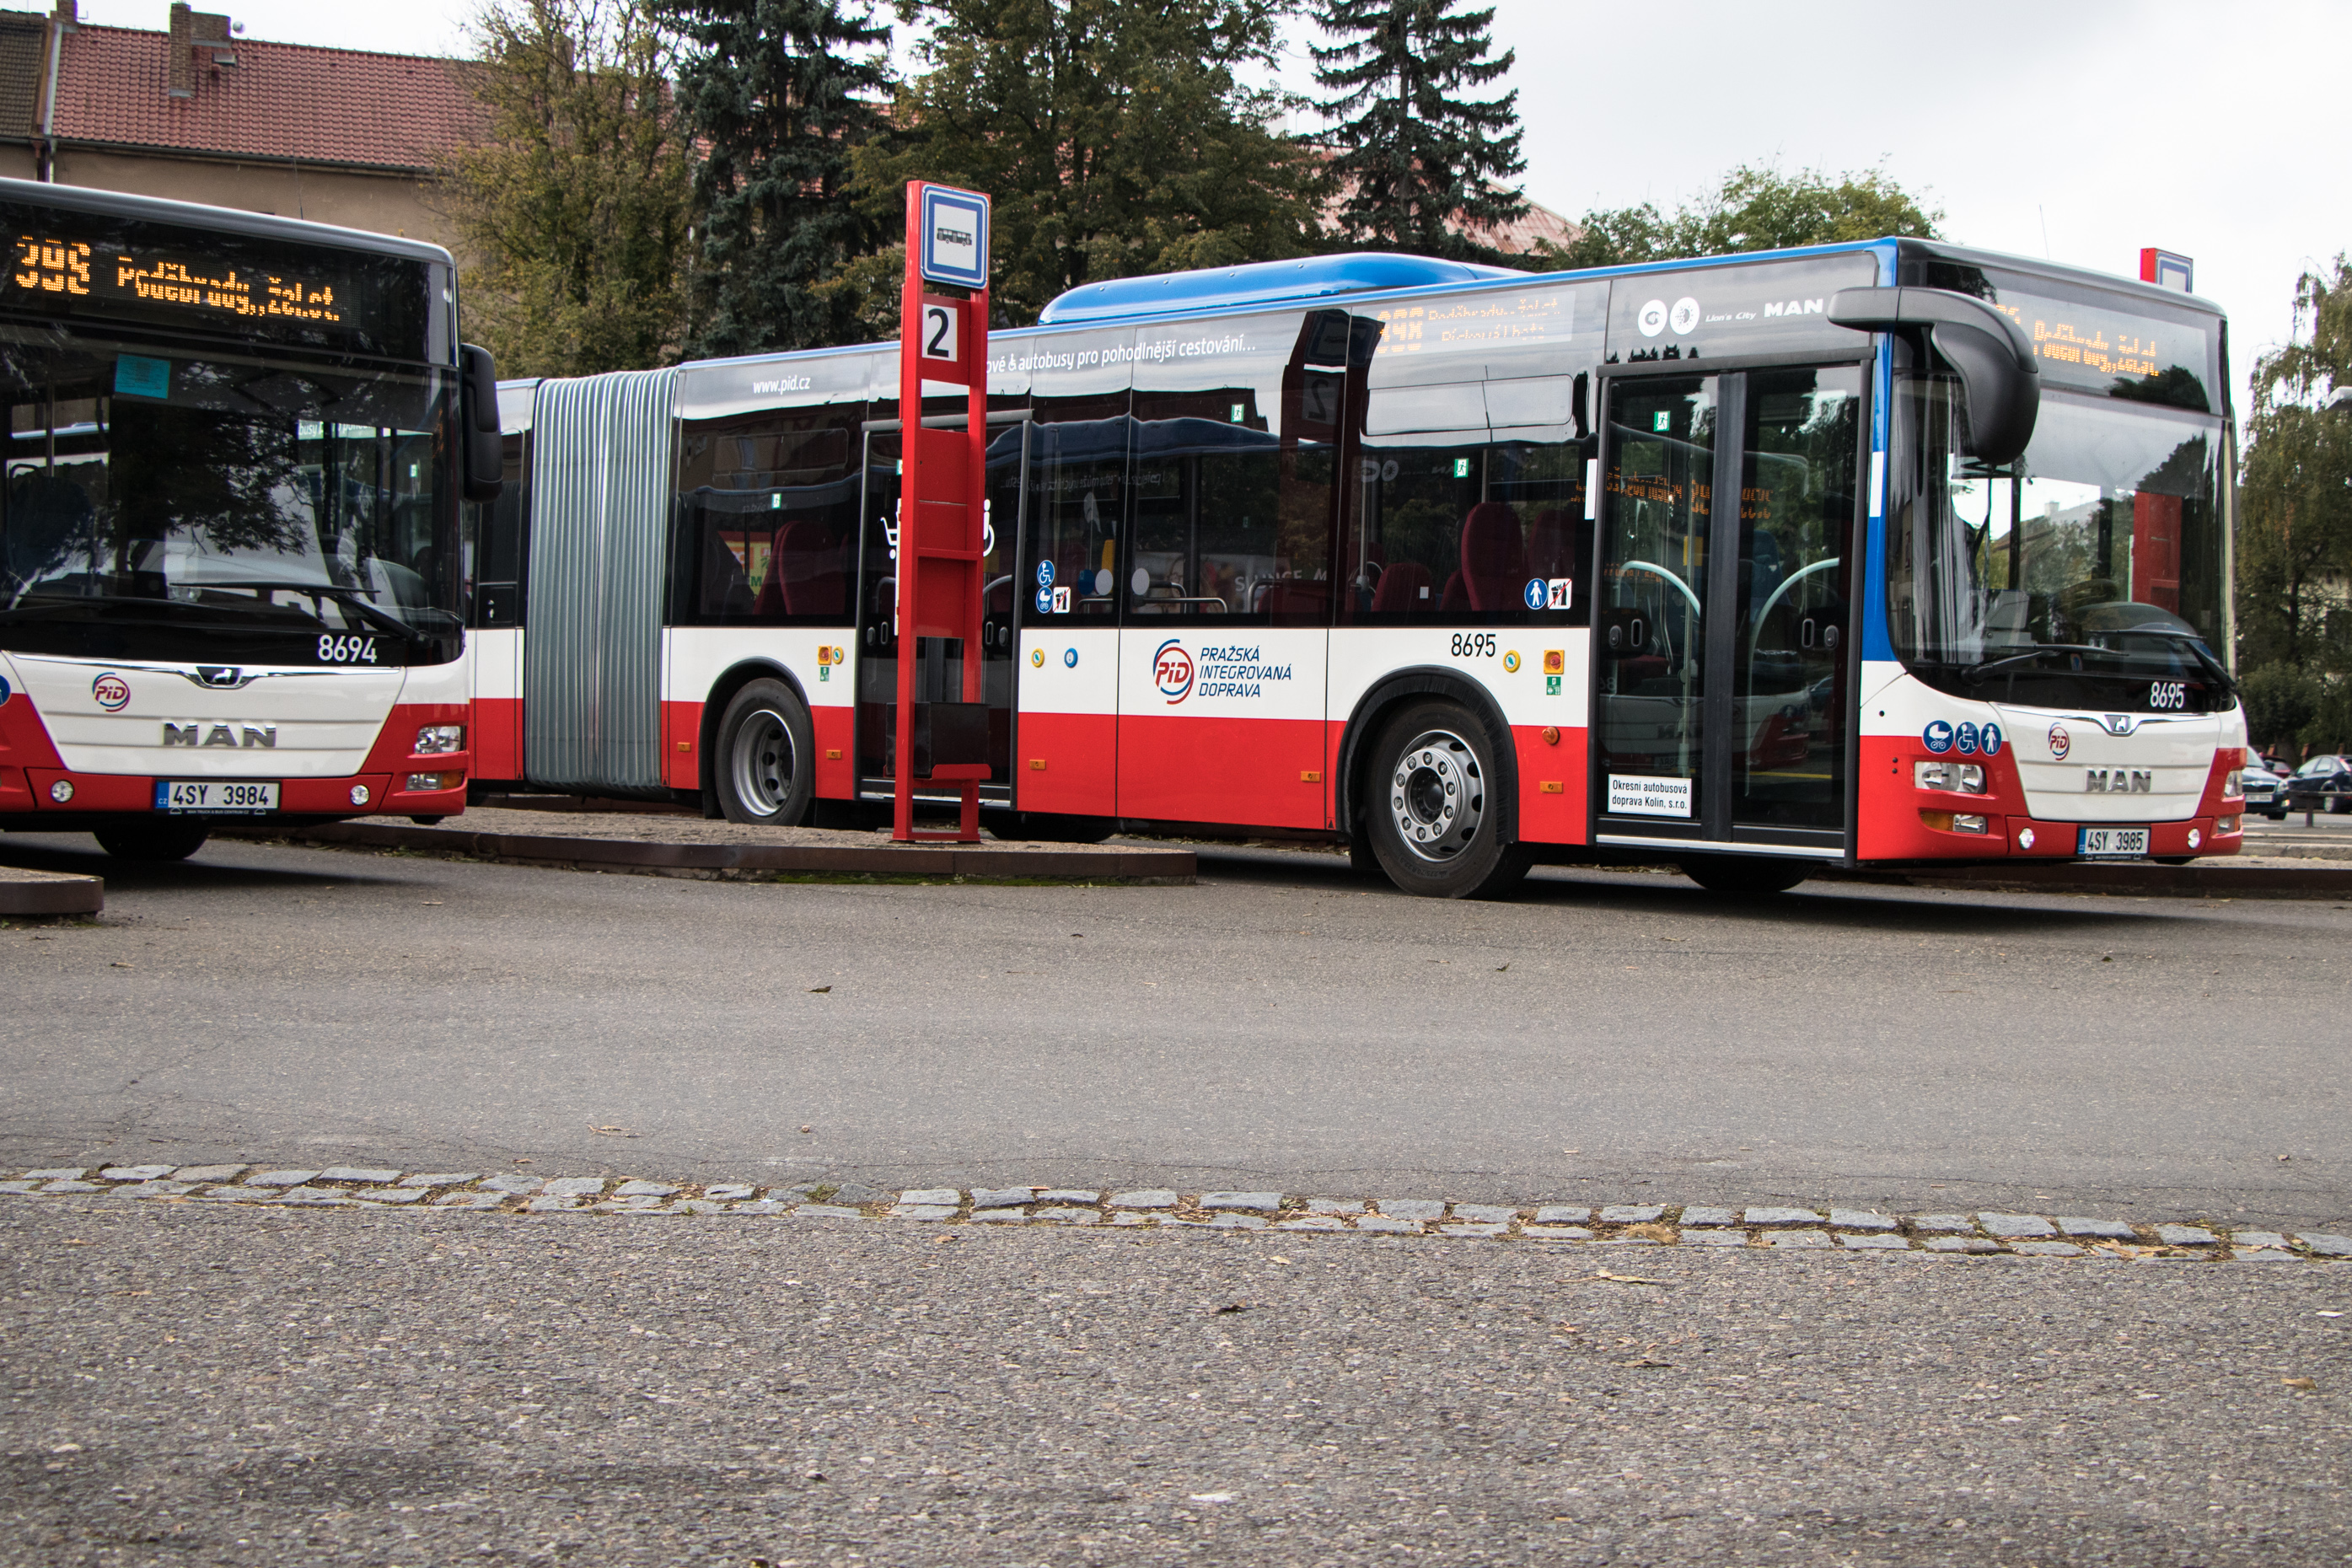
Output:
(1050, 827)
(1432, 806)
(1361, 858)
(764, 766)
(165, 840)
(1744, 876)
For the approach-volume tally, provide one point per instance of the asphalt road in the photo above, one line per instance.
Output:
(240, 1385)
(1607, 1038)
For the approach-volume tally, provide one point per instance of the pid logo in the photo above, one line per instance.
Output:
(1171, 671)
(113, 692)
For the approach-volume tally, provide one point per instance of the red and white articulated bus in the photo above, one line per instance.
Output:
(1887, 553)
(229, 533)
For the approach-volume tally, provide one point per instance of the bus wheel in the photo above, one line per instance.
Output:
(1435, 828)
(766, 770)
(1743, 876)
(166, 840)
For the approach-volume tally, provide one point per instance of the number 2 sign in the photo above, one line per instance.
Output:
(939, 334)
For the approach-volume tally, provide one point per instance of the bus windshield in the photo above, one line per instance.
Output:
(2088, 573)
(230, 505)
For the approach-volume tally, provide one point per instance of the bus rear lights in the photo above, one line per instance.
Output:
(359, 795)
(436, 738)
(1959, 778)
(435, 781)
(61, 791)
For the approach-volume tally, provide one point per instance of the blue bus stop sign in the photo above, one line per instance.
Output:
(954, 249)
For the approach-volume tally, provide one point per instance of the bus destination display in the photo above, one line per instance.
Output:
(64, 264)
(69, 267)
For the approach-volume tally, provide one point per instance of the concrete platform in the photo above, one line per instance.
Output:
(662, 842)
(47, 893)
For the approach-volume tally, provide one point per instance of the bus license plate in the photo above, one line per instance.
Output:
(2111, 843)
(215, 797)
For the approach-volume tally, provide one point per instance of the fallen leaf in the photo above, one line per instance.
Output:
(611, 1131)
(1503, 967)
(2299, 1382)
(1627, 1278)
(819, 990)
(1211, 1497)
(120, 965)
(1231, 1306)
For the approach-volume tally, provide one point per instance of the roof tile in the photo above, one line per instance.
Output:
(280, 101)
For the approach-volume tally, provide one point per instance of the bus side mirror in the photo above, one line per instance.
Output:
(1989, 352)
(477, 407)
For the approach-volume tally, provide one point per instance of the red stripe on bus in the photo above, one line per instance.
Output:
(1067, 762)
(497, 737)
(1555, 816)
(1202, 769)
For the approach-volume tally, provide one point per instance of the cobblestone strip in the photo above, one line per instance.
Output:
(1616, 1224)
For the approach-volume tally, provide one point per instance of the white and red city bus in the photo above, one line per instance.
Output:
(229, 532)
(1886, 552)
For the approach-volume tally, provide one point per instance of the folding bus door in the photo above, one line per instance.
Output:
(1224, 642)
(1722, 644)
(939, 661)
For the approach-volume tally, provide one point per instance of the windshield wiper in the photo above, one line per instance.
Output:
(351, 598)
(1974, 673)
(2204, 655)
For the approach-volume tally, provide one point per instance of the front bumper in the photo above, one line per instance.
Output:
(34, 793)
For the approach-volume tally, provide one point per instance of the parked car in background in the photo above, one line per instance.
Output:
(2264, 787)
(2323, 783)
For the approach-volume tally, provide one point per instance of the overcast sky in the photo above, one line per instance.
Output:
(2082, 129)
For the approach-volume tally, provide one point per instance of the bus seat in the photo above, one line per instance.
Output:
(1494, 558)
(1550, 546)
(1403, 586)
(811, 568)
(1295, 596)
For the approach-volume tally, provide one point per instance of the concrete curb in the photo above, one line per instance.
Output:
(753, 861)
(2216, 879)
(48, 893)
(1820, 1228)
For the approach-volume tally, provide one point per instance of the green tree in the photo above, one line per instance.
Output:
(775, 93)
(573, 210)
(2294, 513)
(1755, 208)
(1416, 166)
(1114, 135)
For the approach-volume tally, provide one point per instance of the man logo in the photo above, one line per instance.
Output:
(1171, 671)
(113, 692)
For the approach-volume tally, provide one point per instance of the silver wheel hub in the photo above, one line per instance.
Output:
(762, 765)
(1436, 795)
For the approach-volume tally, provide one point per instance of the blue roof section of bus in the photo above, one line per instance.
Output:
(1260, 283)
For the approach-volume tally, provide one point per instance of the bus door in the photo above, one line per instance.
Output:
(1225, 640)
(1723, 641)
(939, 676)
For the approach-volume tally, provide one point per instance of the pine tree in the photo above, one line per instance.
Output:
(1418, 168)
(777, 93)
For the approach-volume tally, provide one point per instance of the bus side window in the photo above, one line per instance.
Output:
(1468, 532)
(766, 520)
(1077, 499)
(499, 549)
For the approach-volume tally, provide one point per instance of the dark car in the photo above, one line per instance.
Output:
(2323, 783)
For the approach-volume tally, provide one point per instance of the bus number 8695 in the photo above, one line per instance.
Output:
(1474, 645)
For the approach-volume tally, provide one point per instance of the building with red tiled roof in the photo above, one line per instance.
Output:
(199, 112)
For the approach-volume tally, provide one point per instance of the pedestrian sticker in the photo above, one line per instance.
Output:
(1991, 739)
(1937, 736)
(1964, 737)
(1534, 595)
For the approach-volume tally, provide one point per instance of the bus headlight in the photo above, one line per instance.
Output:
(435, 738)
(2234, 786)
(435, 781)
